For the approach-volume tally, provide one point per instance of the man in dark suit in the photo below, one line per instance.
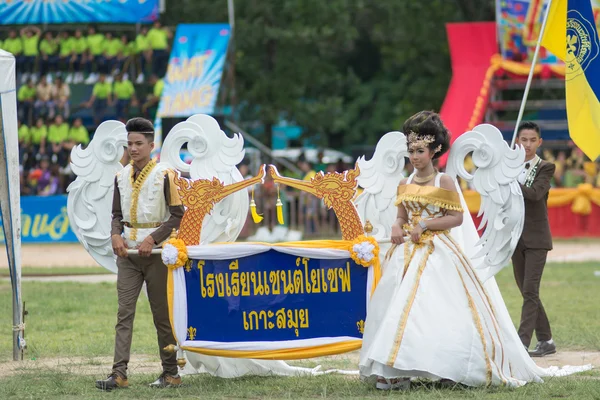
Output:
(530, 254)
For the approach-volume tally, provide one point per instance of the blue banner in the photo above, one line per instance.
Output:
(21, 12)
(44, 220)
(194, 71)
(273, 296)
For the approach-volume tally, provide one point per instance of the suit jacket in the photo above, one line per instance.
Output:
(536, 232)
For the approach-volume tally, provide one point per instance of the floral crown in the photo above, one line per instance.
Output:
(415, 141)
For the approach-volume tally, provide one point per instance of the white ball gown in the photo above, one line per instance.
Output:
(431, 316)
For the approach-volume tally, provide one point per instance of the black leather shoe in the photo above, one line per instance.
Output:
(114, 381)
(543, 349)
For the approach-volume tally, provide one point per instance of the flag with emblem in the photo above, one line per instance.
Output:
(572, 36)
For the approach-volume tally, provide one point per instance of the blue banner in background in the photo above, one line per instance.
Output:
(195, 69)
(44, 220)
(274, 296)
(25, 12)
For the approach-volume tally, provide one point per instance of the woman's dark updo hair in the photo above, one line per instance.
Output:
(429, 123)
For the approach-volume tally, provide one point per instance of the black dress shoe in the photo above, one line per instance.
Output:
(166, 380)
(543, 349)
(114, 381)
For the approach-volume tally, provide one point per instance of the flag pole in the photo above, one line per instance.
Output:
(530, 77)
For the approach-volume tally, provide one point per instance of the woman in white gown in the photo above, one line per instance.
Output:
(430, 316)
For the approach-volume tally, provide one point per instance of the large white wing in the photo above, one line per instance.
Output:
(502, 205)
(215, 155)
(380, 177)
(89, 203)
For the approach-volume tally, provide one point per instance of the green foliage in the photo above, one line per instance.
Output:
(345, 70)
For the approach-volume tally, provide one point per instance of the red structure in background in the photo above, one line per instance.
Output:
(472, 45)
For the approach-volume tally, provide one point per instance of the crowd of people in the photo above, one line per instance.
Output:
(83, 57)
(49, 63)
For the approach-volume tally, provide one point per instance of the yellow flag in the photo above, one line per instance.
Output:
(571, 35)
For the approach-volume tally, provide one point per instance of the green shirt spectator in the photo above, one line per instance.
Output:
(67, 46)
(14, 46)
(112, 47)
(102, 90)
(58, 134)
(129, 49)
(37, 134)
(30, 42)
(26, 93)
(158, 38)
(80, 45)
(49, 47)
(123, 90)
(158, 88)
(141, 43)
(79, 135)
(95, 43)
(24, 134)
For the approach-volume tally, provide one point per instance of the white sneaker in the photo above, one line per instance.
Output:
(109, 79)
(69, 79)
(78, 77)
(125, 76)
(140, 79)
(24, 78)
(91, 79)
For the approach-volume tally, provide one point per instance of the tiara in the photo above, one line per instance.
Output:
(416, 141)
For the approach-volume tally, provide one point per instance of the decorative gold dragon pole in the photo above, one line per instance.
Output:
(337, 191)
(200, 196)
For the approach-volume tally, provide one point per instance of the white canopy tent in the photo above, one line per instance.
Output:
(10, 201)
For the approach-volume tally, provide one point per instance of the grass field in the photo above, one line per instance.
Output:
(77, 320)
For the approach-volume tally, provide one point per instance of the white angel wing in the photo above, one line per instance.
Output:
(215, 155)
(380, 177)
(502, 205)
(90, 197)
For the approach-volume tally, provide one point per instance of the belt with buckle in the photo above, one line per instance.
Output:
(143, 225)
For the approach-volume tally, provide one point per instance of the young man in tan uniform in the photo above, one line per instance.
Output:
(146, 208)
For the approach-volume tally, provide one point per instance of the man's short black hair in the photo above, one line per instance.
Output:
(529, 125)
(141, 125)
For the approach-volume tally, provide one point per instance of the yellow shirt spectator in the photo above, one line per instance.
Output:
(14, 46)
(24, 134)
(309, 175)
(66, 47)
(26, 93)
(158, 87)
(112, 47)
(102, 90)
(37, 134)
(80, 45)
(58, 134)
(79, 135)
(95, 43)
(49, 47)
(141, 43)
(158, 39)
(30, 45)
(123, 90)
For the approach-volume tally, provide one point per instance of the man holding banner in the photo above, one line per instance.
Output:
(146, 208)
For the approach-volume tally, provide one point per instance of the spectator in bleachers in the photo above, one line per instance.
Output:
(158, 37)
(95, 55)
(112, 48)
(124, 96)
(44, 104)
(79, 58)
(78, 134)
(125, 56)
(24, 142)
(48, 181)
(26, 97)
(49, 54)
(30, 36)
(100, 99)
(143, 53)
(153, 98)
(58, 133)
(65, 53)
(61, 92)
(13, 44)
(39, 133)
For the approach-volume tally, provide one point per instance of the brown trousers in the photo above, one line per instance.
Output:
(132, 273)
(528, 266)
